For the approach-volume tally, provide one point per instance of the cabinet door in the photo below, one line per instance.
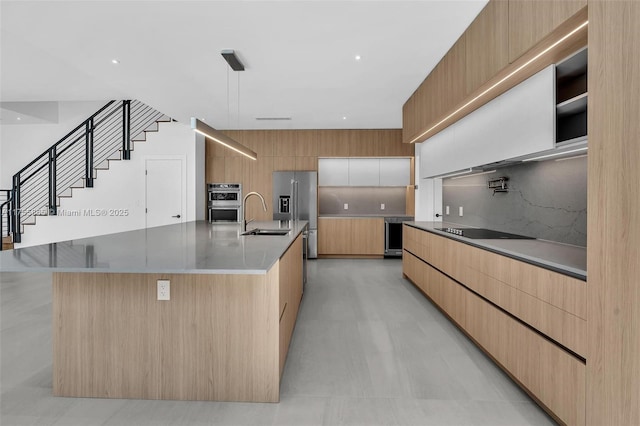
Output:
(516, 123)
(333, 172)
(334, 236)
(364, 172)
(531, 20)
(395, 171)
(367, 236)
(436, 155)
(487, 44)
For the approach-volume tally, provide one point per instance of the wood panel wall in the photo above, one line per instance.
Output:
(531, 20)
(293, 150)
(613, 256)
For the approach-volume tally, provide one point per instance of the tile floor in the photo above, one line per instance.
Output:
(368, 349)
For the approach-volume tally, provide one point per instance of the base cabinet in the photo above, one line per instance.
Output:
(527, 342)
(351, 237)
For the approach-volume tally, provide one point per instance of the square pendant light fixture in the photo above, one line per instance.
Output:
(221, 138)
(229, 55)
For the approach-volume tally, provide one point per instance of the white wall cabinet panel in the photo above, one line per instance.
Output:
(395, 171)
(333, 172)
(529, 116)
(519, 122)
(437, 153)
(364, 172)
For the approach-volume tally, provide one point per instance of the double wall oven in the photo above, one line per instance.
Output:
(225, 202)
(393, 235)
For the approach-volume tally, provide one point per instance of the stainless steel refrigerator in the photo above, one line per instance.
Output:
(295, 197)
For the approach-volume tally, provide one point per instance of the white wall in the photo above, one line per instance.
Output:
(428, 194)
(21, 143)
(122, 187)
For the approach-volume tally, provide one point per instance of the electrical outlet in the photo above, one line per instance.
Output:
(346, 206)
(382, 206)
(446, 210)
(460, 211)
(164, 290)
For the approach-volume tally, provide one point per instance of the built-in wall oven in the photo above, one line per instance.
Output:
(393, 235)
(225, 202)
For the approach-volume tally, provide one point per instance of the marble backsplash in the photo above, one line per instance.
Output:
(546, 200)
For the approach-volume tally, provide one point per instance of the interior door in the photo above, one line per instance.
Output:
(165, 200)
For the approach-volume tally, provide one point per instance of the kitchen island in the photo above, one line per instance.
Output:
(223, 335)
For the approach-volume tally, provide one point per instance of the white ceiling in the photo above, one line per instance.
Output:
(299, 56)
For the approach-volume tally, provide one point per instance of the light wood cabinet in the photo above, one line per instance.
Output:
(351, 236)
(290, 294)
(487, 44)
(522, 315)
(334, 236)
(367, 236)
(531, 20)
(492, 48)
(444, 88)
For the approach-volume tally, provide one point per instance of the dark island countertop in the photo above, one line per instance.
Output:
(188, 248)
(563, 258)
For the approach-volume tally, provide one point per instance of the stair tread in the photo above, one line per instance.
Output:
(141, 136)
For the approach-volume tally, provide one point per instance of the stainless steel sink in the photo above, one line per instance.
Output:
(259, 231)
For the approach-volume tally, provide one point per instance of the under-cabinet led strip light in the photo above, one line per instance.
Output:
(475, 174)
(221, 138)
(464, 172)
(555, 154)
(511, 74)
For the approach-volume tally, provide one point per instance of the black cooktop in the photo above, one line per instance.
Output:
(486, 234)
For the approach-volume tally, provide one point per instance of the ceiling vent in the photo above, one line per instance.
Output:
(273, 118)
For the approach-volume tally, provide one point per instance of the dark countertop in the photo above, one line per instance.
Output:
(187, 248)
(563, 258)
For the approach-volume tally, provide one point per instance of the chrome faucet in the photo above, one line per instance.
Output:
(244, 208)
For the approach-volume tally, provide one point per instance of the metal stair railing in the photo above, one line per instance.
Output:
(73, 160)
(5, 214)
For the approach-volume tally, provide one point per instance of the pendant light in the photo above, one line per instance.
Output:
(215, 135)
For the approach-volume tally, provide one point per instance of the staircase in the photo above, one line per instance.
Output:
(73, 163)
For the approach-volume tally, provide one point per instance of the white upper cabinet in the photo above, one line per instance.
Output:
(521, 121)
(333, 172)
(395, 171)
(364, 172)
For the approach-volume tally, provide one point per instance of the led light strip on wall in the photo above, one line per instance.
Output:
(221, 138)
(508, 76)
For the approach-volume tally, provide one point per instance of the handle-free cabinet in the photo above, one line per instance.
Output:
(351, 236)
(516, 123)
(532, 321)
(364, 171)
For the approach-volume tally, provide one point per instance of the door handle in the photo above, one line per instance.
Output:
(176, 216)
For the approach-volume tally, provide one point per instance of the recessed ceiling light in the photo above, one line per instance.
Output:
(115, 61)
(358, 57)
(344, 118)
(18, 118)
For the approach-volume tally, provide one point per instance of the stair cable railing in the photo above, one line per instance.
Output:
(73, 160)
